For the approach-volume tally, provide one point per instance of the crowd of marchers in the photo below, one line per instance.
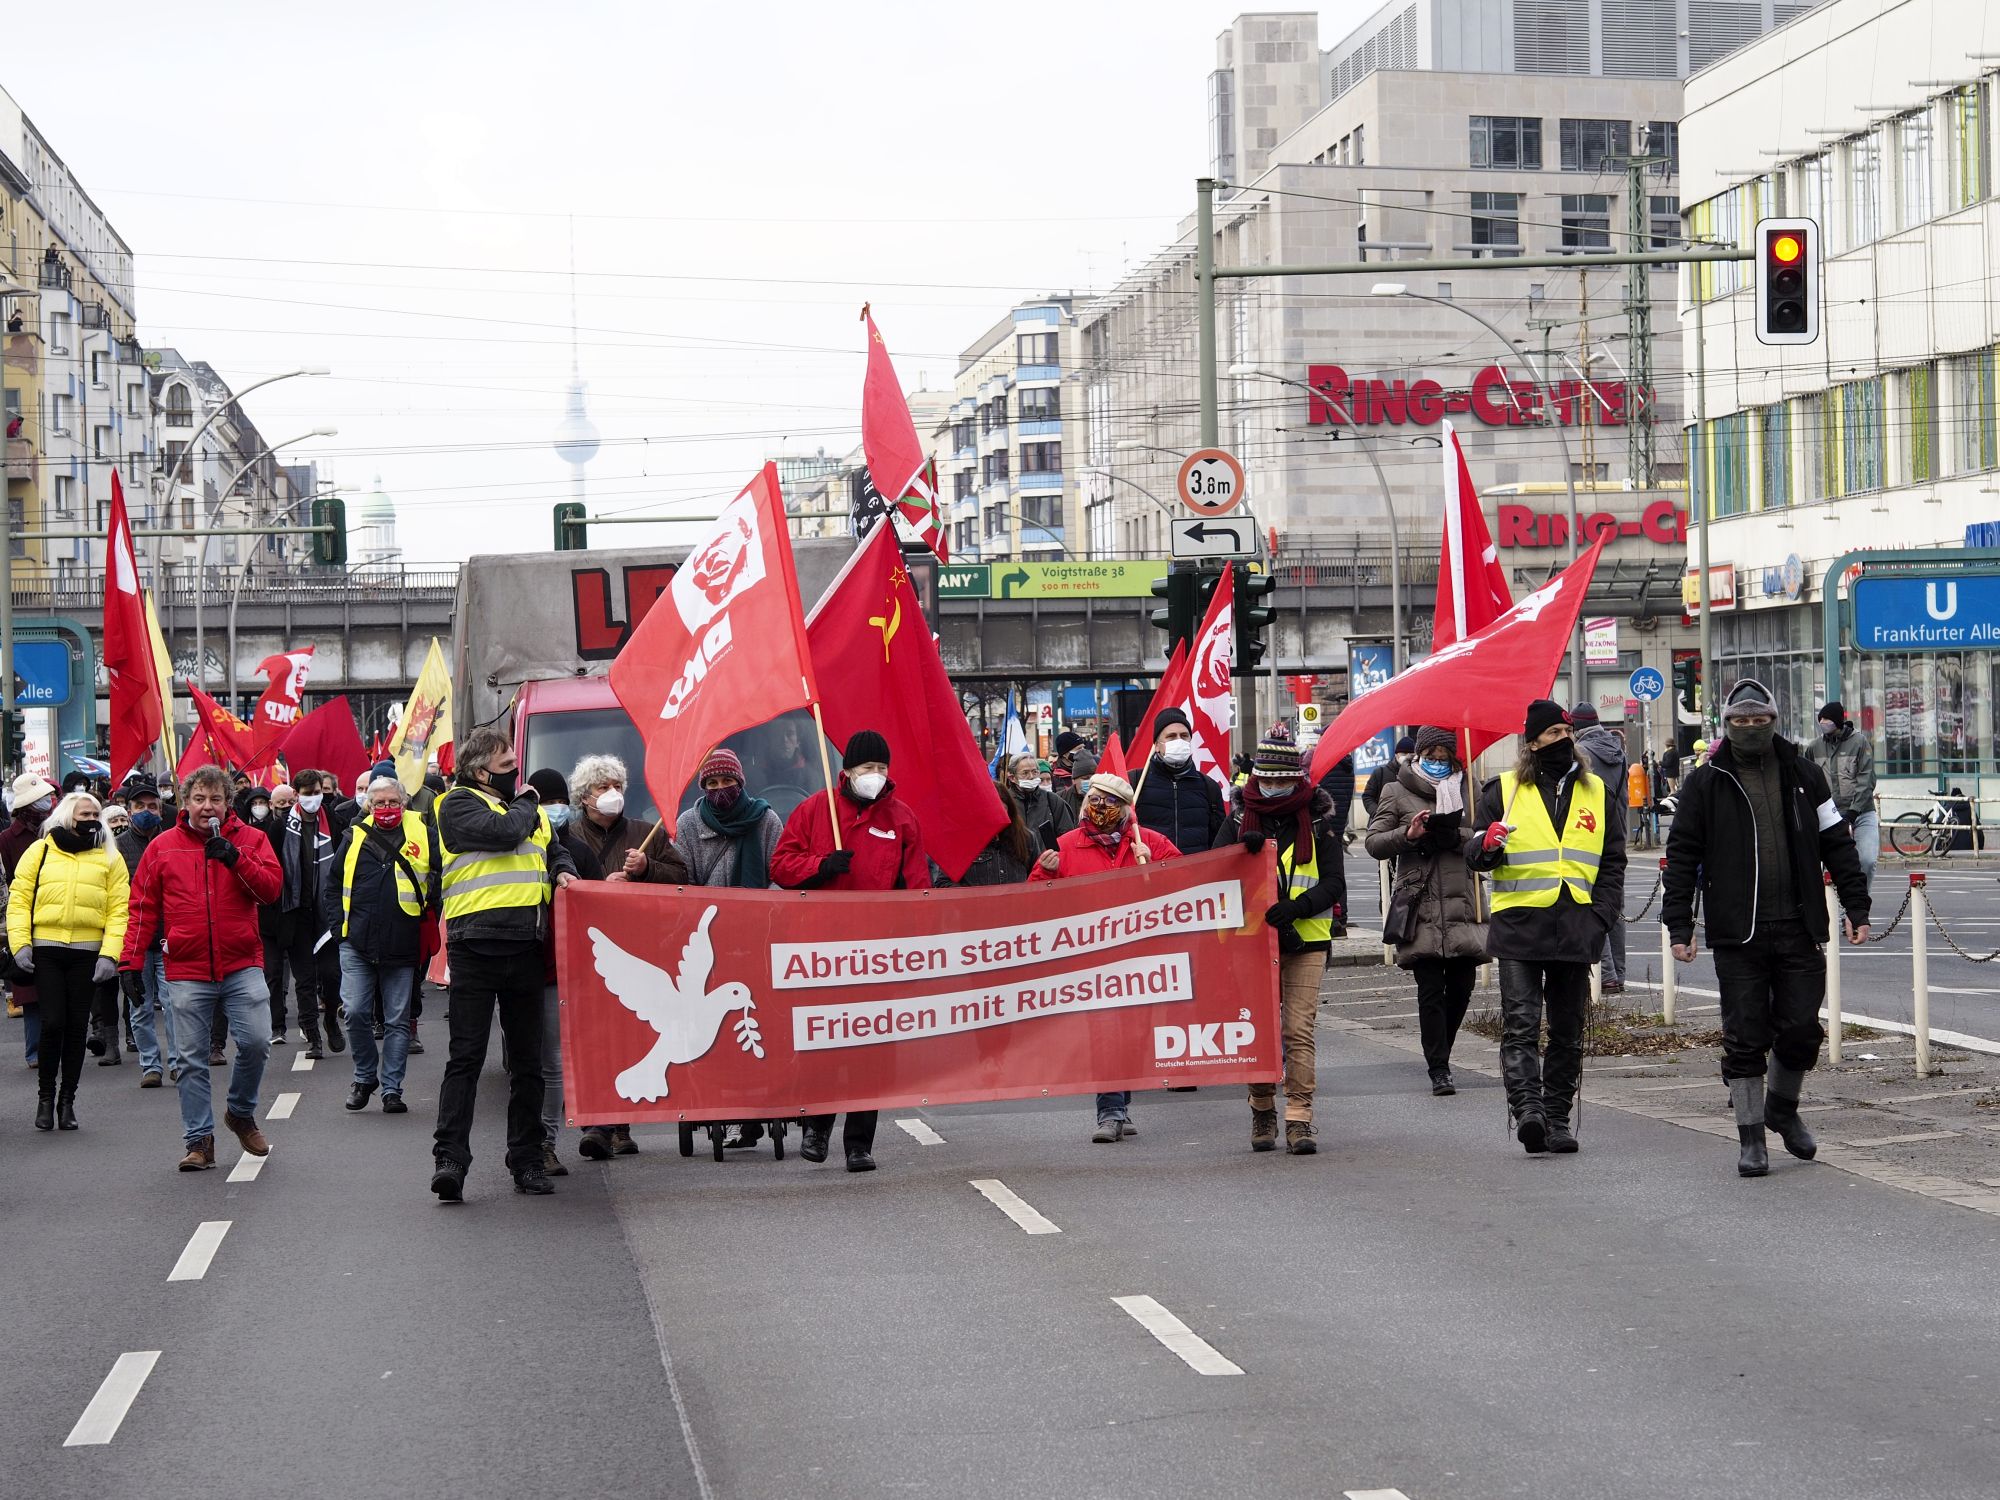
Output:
(177, 922)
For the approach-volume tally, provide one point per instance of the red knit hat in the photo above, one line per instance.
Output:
(720, 762)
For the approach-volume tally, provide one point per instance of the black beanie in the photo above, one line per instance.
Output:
(866, 745)
(1166, 718)
(1543, 715)
(1834, 714)
(1067, 741)
(549, 785)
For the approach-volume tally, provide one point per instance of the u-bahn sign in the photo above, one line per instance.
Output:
(1926, 611)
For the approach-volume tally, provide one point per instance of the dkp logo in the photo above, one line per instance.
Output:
(1216, 1039)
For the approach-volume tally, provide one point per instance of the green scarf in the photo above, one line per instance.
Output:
(753, 871)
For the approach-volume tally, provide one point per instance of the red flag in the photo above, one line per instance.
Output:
(896, 461)
(1211, 700)
(1472, 587)
(283, 701)
(327, 739)
(219, 738)
(136, 713)
(1171, 692)
(1482, 684)
(1112, 761)
(730, 653)
(875, 660)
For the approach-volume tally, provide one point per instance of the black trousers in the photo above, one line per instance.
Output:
(288, 944)
(1444, 990)
(1772, 988)
(64, 989)
(479, 983)
(858, 1134)
(1538, 1081)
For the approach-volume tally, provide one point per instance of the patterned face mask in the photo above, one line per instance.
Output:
(1103, 813)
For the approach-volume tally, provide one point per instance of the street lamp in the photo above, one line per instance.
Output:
(201, 542)
(1398, 289)
(1388, 504)
(243, 571)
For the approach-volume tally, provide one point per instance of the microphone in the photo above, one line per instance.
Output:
(214, 827)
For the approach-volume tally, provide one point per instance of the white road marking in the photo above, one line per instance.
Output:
(1900, 1140)
(100, 1420)
(1010, 1203)
(302, 1064)
(921, 1133)
(282, 1107)
(1685, 989)
(1904, 1028)
(1375, 1495)
(1668, 1088)
(1196, 1352)
(247, 1167)
(193, 1264)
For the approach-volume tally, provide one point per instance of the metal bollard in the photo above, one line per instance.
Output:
(1670, 981)
(1920, 971)
(1834, 919)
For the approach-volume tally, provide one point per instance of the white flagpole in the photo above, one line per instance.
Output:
(1454, 527)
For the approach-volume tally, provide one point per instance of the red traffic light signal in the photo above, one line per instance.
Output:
(1788, 278)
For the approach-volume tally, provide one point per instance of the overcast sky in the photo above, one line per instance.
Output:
(390, 193)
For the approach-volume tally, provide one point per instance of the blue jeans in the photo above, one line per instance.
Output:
(1868, 841)
(191, 1005)
(1116, 1106)
(360, 983)
(148, 1011)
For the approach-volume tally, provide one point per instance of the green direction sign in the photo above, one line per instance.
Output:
(965, 581)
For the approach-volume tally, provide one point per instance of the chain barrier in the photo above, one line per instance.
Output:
(1952, 943)
(1901, 912)
(1640, 915)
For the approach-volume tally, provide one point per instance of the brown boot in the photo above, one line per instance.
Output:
(200, 1155)
(245, 1130)
(1299, 1138)
(1263, 1129)
(622, 1143)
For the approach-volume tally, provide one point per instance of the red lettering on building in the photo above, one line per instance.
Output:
(1492, 399)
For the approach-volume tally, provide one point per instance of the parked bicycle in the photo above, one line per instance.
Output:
(1931, 833)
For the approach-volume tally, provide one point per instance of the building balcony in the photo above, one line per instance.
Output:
(1024, 373)
(1033, 429)
(1042, 481)
(965, 455)
(20, 458)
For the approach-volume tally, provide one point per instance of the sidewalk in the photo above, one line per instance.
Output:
(1937, 1136)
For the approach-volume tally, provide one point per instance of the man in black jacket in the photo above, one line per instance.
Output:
(1179, 801)
(304, 835)
(1755, 827)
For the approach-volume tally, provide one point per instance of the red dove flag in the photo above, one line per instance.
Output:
(279, 708)
(1472, 586)
(725, 648)
(903, 476)
(136, 711)
(874, 658)
(1481, 685)
(1197, 683)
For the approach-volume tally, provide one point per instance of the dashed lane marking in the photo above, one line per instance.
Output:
(282, 1107)
(302, 1064)
(1011, 1204)
(921, 1133)
(201, 1248)
(1193, 1350)
(100, 1420)
(1375, 1495)
(247, 1167)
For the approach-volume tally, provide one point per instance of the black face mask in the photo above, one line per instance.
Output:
(503, 786)
(1555, 759)
(1750, 739)
(76, 840)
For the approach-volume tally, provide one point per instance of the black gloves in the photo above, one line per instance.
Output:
(131, 982)
(1284, 911)
(219, 848)
(836, 864)
(1253, 840)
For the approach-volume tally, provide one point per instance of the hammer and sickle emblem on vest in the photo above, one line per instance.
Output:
(1587, 821)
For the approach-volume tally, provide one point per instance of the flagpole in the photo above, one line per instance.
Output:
(1477, 914)
(826, 770)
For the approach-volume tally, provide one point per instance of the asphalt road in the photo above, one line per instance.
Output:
(1421, 1308)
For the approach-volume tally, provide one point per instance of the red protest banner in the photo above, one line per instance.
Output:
(710, 1003)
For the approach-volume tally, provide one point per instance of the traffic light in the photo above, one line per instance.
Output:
(330, 547)
(1253, 617)
(1179, 589)
(1788, 272)
(13, 736)
(1687, 682)
(569, 527)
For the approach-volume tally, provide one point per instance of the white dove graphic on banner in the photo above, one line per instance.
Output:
(681, 1008)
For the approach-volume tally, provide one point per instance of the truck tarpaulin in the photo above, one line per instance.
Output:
(697, 1003)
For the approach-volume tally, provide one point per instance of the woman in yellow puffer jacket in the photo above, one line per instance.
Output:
(66, 914)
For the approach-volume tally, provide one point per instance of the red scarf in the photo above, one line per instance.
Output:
(1268, 815)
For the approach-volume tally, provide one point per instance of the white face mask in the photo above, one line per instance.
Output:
(1029, 784)
(868, 786)
(260, 810)
(611, 802)
(310, 802)
(1177, 752)
(1274, 788)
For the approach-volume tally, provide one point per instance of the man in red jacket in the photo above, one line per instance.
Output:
(200, 883)
(880, 848)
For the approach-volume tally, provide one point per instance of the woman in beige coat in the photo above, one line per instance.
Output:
(1420, 823)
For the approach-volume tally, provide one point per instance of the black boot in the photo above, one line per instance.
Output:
(813, 1141)
(311, 1029)
(66, 1111)
(1532, 1131)
(93, 1038)
(1746, 1095)
(1781, 1111)
(1561, 1139)
(335, 1037)
(45, 1113)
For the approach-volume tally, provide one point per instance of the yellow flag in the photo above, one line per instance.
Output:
(426, 721)
(163, 671)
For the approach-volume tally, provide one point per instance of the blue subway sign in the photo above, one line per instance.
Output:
(1927, 612)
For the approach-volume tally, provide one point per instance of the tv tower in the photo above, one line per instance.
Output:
(576, 435)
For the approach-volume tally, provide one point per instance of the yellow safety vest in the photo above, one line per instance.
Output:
(415, 843)
(488, 880)
(1297, 880)
(1539, 862)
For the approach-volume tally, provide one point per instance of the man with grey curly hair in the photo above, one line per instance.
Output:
(626, 849)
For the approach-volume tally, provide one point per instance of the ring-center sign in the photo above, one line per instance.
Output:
(1211, 482)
